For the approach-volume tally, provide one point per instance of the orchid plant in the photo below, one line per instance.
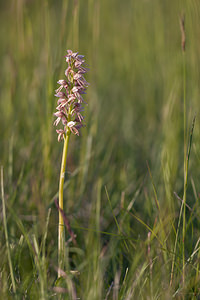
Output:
(69, 114)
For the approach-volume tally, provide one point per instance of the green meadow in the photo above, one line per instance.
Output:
(131, 191)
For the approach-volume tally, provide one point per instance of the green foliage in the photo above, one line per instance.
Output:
(125, 174)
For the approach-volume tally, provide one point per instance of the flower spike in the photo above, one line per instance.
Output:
(69, 93)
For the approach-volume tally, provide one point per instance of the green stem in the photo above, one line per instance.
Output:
(185, 162)
(183, 205)
(184, 220)
(61, 228)
(184, 109)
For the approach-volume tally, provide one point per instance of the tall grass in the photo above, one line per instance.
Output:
(125, 180)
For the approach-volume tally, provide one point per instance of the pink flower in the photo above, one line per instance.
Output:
(61, 134)
(69, 105)
(72, 127)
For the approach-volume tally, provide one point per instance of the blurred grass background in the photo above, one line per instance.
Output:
(134, 116)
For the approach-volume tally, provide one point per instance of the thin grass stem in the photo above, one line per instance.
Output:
(185, 163)
(183, 205)
(184, 195)
(38, 263)
(118, 227)
(6, 233)
(183, 39)
(163, 234)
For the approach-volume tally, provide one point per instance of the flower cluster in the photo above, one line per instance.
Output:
(70, 100)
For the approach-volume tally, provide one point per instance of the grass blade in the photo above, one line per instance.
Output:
(6, 233)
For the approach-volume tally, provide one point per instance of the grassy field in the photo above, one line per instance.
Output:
(131, 191)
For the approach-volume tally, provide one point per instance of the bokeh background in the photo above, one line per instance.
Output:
(131, 151)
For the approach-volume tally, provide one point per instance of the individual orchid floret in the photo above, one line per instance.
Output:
(72, 126)
(61, 134)
(69, 93)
